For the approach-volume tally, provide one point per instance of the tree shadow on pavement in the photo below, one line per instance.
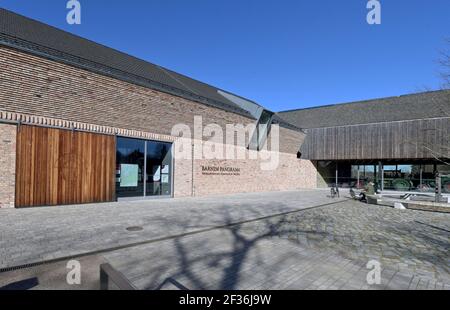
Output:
(202, 266)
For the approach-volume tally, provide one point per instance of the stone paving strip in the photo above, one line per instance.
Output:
(39, 234)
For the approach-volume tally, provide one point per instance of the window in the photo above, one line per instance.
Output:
(143, 168)
(402, 177)
(361, 175)
(159, 169)
(130, 167)
(428, 178)
(262, 131)
(444, 170)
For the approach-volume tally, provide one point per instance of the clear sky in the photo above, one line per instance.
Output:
(282, 54)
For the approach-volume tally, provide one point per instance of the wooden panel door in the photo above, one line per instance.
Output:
(57, 167)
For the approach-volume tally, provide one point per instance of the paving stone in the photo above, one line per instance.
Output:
(321, 248)
(71, 230)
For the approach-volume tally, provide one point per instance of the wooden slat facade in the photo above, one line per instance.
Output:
(58, 167)
(417, 139)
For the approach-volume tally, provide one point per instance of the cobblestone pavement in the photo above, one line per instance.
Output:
(322, 248)
(36, 234)
(413, 243)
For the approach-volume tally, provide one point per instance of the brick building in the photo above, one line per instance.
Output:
(80, 123)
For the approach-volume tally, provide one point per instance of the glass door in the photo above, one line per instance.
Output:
(159, 169)
(130, 167)
(143, 168)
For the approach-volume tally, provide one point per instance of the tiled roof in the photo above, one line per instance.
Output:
(40, 39)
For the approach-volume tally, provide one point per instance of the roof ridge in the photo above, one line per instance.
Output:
(367, 100)
(78, 36)
(170, 79)
(209, 85)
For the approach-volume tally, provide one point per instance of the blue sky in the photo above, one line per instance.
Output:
(282, 54)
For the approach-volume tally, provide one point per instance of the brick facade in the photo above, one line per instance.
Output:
(41, 87)
(7, 165)
(35, 90)
(291, 173)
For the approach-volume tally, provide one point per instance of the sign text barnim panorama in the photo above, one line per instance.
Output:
(219, 170)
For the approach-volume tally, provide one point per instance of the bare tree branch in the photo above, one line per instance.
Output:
(444, 63)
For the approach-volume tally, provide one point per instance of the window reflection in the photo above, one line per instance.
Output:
(130, 167)
(402, 177)
(143, 168)
(159, 169)
(393, 177)
(444, 170)
(363, 174)
(262, 131)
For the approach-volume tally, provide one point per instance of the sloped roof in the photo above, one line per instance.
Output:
(40, 39)
(433, 104)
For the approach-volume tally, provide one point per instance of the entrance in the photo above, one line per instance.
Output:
(143, 168)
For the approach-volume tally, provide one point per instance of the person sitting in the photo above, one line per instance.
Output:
(361, 197)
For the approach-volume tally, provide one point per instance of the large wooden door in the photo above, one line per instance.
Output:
(57, 167)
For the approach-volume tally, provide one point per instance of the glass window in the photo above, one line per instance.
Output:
(349, 176)
(397, 177)
(359, 176)
(403, 177)
(371, 174)
(443, 169)
(262, 131)
(130, 167)
(355, 176)
(414, 177)
(445, 179)
(159, 169)
(345, 179)
(428, 178)
(144, 168)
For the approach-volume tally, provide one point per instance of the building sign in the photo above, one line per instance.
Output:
(129, 175)
(218, 170)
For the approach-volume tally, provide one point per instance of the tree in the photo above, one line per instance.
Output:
(441, 152)
(444, 63)
(441, 102)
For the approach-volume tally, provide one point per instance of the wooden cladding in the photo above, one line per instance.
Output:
(57, 167)
(417, 139)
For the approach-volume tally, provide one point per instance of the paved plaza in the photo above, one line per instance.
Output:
(321, 248)
(36, 234)
(317, 243)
